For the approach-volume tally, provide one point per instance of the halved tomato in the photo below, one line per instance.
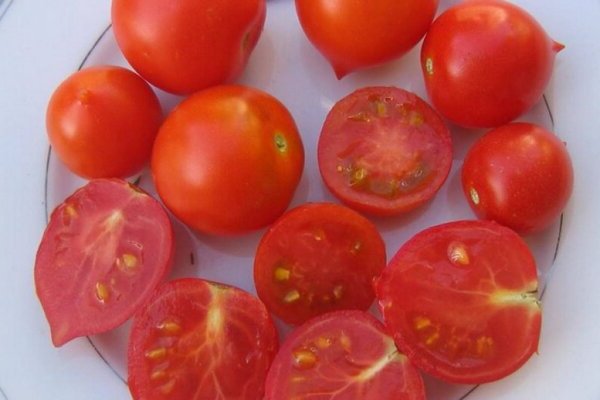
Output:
(196, 340)
(461, 301)
(343, 355)
(105, 249)
(316, 258)
(384, 151)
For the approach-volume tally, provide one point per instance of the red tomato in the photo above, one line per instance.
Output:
(519, 175)
(228, 160)
(200, 340)
(343, 355)
(103, 252)
(486, 62)
(460, 300)
(358, 34)
(383, 150)
(317, 258)
(187, 45)
(102, 121)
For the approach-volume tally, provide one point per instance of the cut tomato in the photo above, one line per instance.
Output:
(460, 300)
(317, 258)
(384, 151)
(200, 340)
(102, 254)
(343, 355)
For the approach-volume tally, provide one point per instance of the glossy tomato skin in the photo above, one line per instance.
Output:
(460, 300)
(486, 62)
(101, 122)
(105, 249)
(359, 34)
(316, 258)
(519, 175)
(191, 44)
(228, 160)
(196, 340)
(384, 151)
(342, 355)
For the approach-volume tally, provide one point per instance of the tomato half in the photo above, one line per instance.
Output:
(519, 175)
(358, 34)
(102, 121)
(316, 258)
(486, 62)
(228, 160)
(383, 150)
(105, 249)
(342, 355)
(199, 340)
(460, 301)
(188, 45)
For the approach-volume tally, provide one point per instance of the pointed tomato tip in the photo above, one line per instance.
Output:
(340, 72)
(557, 46)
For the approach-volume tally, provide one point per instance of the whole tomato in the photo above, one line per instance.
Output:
(101, 122)
(358, 34)
(185, 45)
(486, 62)
(228, 159)
(519, 175)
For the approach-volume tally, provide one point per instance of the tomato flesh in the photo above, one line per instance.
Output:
(105, 249)
(460, 300)
(384, 151)
(342, 355)
(197, 339)
(316, 258)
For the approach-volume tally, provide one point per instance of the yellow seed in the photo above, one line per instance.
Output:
(432, 339)
(323, 342)
(338, 291)
(168, 387)
(457, 253)
(102, 292)
(474, 196)
(70, 211)
(359, 175)
(319, 235)
(158, 374)
(127, 262)
(484, 345)
(156, 354)
(291, 296)
(282, 274)
(298, 378)
(429, 66)
(304, 358)
(381, 108)
(360, 117)
(345, 342)
(422, 323)
(416, 119)
(169, 327)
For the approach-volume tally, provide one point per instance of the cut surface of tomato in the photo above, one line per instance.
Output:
(461, 301)
(316, 258)
(384, 151)
(342, 355)
(196, 340)
(105, 249)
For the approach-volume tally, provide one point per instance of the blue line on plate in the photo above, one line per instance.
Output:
(2, 391)
(4, 7)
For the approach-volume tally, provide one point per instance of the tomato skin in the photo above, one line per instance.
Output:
(228, 159)
(342, 355)
(316, 258)
(460, 301)
(191, 44)
(101, 122)
(359, 34)
(196, 340)
(519, 175)
(486, 62)
(105, 249)
(384, 151)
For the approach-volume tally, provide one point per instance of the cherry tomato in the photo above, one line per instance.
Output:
(228, 160)
(102, 121)
(358, 34)
(383, 150)
(486, 62)
(519, 175)
(460, 300)
(316, 258)
(188, 45)
(103, 252)
(342, 355)
(200, 340)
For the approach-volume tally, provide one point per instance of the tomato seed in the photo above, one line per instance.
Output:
(457, 254)
(282, 274)
(474, 196)
(304, 359)
(291, 296)
(429, 66)
(156, 354)
(102, 292)
(421, 323)
(169, 327)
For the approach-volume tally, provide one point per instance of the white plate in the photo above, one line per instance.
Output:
(41, 42)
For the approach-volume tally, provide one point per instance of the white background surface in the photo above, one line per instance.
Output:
(41, 42)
